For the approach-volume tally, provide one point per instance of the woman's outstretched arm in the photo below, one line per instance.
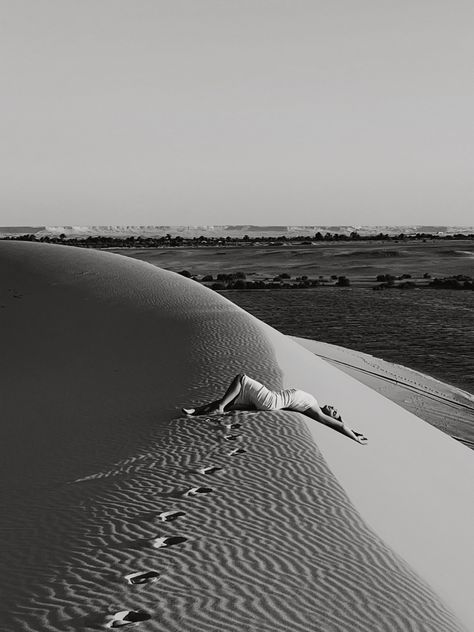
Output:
(316, 413)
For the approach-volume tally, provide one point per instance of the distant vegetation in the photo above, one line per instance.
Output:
(241, 281)
(283, 281)
(168, 241)
(238, 281)
(458, 282)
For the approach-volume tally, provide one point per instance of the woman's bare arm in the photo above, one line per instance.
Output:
(316, 413)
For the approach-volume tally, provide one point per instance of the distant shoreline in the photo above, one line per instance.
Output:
(404, 282)
(202, 241)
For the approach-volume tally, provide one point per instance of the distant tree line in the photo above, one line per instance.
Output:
(457, 282)
(239, 281)
(167, 241)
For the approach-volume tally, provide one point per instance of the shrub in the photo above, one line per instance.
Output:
(343, 281)
(240, 284)
(458, 282)
(386, 278)
(218, 286)
(186, 274)
(207, 277)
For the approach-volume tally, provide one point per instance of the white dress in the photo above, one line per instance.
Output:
(253, 394)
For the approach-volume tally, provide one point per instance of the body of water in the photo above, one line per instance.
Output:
(431, 331)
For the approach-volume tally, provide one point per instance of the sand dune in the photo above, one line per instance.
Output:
(303, 530)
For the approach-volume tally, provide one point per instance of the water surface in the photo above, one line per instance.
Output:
(431, 331)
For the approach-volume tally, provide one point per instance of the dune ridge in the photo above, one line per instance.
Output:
(101, 354)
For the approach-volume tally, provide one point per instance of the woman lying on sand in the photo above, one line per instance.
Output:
(246, 393)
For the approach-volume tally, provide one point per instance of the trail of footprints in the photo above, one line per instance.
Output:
(134, 617)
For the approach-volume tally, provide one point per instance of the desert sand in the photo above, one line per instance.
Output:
(119, 511)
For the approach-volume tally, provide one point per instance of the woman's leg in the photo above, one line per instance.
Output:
(218, 406)
(232, 391)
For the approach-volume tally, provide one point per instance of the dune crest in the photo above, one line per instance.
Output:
(102, 352)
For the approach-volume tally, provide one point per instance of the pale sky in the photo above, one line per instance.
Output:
(236, 111)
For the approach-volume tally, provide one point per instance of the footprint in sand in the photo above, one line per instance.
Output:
(229, 425)
(168, 516)
(147, 577)
(234, 437)
(195, 491)
(237, 451)
(163, 543)
(209, 469)
(127, 617)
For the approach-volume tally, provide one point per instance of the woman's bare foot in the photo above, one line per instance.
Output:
(213, 408)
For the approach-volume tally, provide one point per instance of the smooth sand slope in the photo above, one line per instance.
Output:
(444, 406)
(302, 530)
